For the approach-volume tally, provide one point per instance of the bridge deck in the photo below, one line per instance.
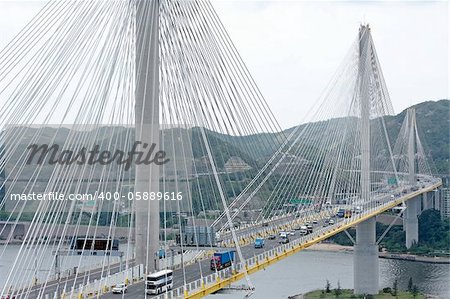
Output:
(258, 259)
(201, 281)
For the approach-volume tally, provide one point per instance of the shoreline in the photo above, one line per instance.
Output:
(331, 247)
(347, 293)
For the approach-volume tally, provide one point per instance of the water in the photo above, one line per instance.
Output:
(309, 270)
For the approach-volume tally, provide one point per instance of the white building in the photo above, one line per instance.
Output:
(445, 202)
(236, 164)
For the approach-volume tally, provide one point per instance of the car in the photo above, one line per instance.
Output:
(259, 243)
(315, 222)
(303, 230)
(292, 233)
(284, 240)
(331, 222)
(347, 214)
(271, 237)
(120, 288)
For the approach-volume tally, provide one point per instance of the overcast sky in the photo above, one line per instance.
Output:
(292, 48)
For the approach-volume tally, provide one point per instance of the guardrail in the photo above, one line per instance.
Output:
(220, 279)
(263, 232)
(216, 281)
(129, 276)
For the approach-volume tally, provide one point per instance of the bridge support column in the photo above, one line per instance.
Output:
(437, 200)
(365, 259)
(425, 201)
(419, 207)
(411, 222)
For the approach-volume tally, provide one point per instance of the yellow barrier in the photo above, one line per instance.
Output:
(220, 284)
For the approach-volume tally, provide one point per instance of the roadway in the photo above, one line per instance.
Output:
(191, 272)
(197, 270)
(202, 268)
(67, 282)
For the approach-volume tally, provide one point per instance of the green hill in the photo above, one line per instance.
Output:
(433, 121)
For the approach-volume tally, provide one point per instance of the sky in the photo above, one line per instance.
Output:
(292, 48)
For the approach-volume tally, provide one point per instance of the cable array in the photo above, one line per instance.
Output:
(320, 162)
(69, 78)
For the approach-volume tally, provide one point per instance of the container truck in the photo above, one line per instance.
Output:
(221, 260)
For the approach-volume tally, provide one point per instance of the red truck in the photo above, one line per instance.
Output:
(221, 260)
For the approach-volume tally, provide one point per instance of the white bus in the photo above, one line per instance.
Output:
(159, 282)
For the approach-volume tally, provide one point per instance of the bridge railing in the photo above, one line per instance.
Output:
(225, 277)
(249, 263)
(263, 258)
(129, 276)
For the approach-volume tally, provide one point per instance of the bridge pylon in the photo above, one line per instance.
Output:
(147, 222)
(413, 206)
(365, 258)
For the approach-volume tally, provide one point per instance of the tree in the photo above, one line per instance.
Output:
(328, 287)
(410, 284)
(338, 290)
(395, 289)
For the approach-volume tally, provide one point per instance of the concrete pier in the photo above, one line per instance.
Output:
(411, 222)
(425, 201)
(365, 259)
(437, 200)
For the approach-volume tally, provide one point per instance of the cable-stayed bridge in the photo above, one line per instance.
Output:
(147, 110)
